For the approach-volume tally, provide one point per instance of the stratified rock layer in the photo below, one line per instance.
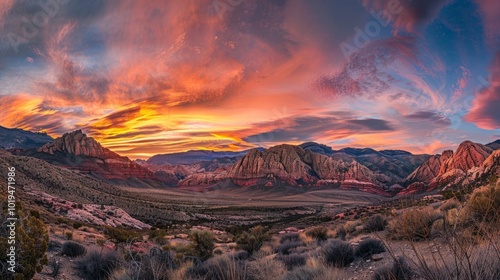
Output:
(76, 150)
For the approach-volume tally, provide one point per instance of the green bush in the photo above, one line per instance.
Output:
(120, 235)
(253, 239)
(32, 242)
(203, 244)
(77, 225)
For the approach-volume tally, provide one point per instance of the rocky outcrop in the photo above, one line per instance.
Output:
(77, 143)
(390, 166)
(413, 189)
(449, 169)
(77, 151)
(364, 187)
(285, 161)
(294, 166)
(429, 169)
(203, 179)
(467, 156)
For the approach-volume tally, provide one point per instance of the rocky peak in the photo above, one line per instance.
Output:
(467, 156)
(294, 165)
(281, 160)
(77, 143)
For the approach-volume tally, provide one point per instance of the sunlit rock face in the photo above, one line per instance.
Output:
(77, 151)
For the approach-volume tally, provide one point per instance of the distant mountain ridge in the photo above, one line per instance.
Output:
(192, 156)
(14, 138)
(392, 166)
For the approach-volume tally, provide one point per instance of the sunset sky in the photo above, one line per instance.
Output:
(154, 76)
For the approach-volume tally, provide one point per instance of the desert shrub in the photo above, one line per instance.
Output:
(98, 265)
(69, 235)
(203, 244)
(337, 253)
(266, 269)
(120, 235)
(484, 204)
(340, 233)
(220, 267)
(301, 273)
(154, 232)
(449, 205)
(290, 237)
(369, 247)
(100, 241)
(414, 224)
(465, 261)
(286, 248)
(239, 255)
(292, 260)
(54, 246)
(400, 270)
(375, 223)
(73, 249)
(319, 233)
(350, 226)
(314, 270)
(253, 239)
(156, 265)
(77, 225)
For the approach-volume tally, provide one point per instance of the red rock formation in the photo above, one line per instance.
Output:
(76, 150)
(429, 169)
(363, 186)
(468, 155)
(294, 166)
(415, 188)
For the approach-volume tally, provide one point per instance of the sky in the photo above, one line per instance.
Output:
(145, 77)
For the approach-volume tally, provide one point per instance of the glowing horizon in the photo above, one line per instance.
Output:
(153, 77)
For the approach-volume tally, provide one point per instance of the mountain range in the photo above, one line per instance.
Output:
(385, 172)
(11, 138)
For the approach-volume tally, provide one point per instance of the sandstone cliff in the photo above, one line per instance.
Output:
(77, 151)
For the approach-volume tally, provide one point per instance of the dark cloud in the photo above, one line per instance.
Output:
(429, 116)
(309, 128)
(372, 124)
